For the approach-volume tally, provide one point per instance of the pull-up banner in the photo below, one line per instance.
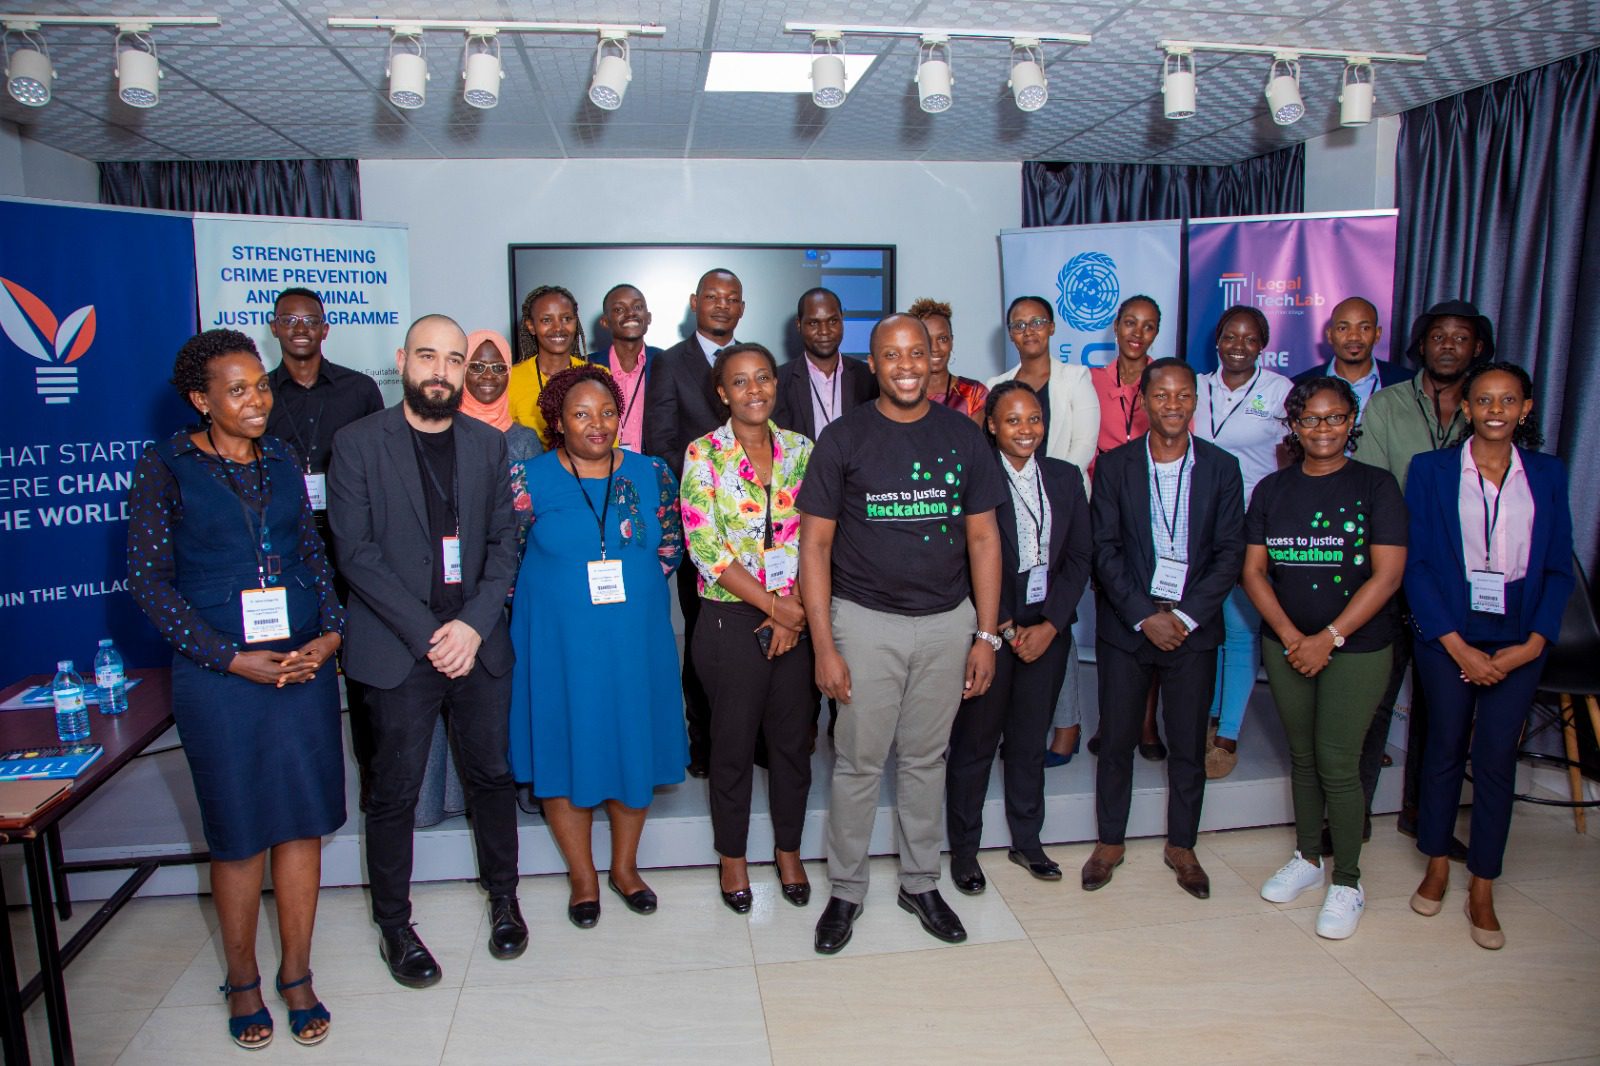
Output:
(1086, 272)
(1295, 269)
(94, 304)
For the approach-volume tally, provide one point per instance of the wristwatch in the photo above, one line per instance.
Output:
(1338, 641)
(1009, 633)
(994, 641)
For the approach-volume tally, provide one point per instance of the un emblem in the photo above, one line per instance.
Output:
(1089, 291)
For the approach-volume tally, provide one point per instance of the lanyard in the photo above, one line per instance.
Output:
(954, 393)
(1488, 523)
(306, 448)
(453, 497)
(772, 475)
(1127, 415)
(637, 382)
(1038, 519)
(1444, 431)
(828, 413)
(1170, 524)
(255, 521)
(605, 505)
(1211, 402)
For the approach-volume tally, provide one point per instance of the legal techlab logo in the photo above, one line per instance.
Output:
(1232, 286)
(1263, 292)
(33, 327)
(1088, 291)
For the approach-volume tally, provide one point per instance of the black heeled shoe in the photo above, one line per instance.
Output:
(796, 892)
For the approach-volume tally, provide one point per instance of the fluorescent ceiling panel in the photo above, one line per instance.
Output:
(773, 72)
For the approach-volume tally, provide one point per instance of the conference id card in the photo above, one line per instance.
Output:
(266, 614)
(450, 553)
(1167, 582)
(317, 491)
(778, 567)
(605, 581)
(1487, 590)
(1038, 583)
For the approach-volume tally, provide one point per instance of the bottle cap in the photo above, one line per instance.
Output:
(105, 642)
(64, 666)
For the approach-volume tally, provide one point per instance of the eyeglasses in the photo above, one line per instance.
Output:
(497, 369)
(291, 321)
(1313, 421)
(1020, 326)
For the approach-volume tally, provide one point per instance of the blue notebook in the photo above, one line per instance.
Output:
(55, 761)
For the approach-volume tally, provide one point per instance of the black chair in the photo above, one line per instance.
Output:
(1572, 670)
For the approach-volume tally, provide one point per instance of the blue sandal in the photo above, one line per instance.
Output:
(299, 1020)
(237, 1026)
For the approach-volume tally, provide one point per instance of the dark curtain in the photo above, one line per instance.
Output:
(302, 188)
(1499, 203)
(1075, 194)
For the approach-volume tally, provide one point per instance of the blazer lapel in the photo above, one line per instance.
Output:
(1139, 508)
(799, 385)
(1450, 503)
(469, 470)
(403, 453)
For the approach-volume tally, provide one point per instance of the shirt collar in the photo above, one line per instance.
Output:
(1371, 375)
(280, 374)
(1469, 466)
(709, 346)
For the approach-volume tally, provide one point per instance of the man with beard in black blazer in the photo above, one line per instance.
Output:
(816, 389)
(681, 406)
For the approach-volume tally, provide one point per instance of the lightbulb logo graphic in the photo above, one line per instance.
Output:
(33, 327)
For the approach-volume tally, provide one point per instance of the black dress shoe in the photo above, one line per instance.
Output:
(584, 915)
(1094, 744)
(1040, 865)
(508, 933)
(1154, 751)
(410, 962)
(967, 876)
(836, 925)
(698, 768)
(641, 902)
(934, 914)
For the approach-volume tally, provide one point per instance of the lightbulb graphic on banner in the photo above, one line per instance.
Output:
(57, 344)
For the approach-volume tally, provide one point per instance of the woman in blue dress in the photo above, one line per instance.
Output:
(596, 721)
(225, 559)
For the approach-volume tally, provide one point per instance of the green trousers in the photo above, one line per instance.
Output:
(1326, 718)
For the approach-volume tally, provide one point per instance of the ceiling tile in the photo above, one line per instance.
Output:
(232, 141)
(300, 68)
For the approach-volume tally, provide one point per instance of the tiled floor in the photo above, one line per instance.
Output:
(1137, 973)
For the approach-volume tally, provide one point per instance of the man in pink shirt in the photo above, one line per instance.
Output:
(625, 315)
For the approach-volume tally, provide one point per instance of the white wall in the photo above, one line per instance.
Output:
(29, 168)
(1352, 168)
(11, 182)
(944, 217)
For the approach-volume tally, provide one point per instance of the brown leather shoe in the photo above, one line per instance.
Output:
(1191, 877)
(1097, 871)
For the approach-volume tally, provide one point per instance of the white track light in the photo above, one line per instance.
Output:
(612, 72)
(138, 69)
(408, 69)
(828, 87)
(1283, 90)
(1357, 93)
(934, 76)
(1028, 85)
(1177, 85)
(28, 70)
(481, 72)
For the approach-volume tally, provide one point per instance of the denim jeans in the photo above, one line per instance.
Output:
(1237, 661)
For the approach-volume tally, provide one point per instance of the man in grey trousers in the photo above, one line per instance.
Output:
(900, 574)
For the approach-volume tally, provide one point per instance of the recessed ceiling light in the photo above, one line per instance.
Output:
(774, 72)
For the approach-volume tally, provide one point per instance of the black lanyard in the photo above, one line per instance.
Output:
(453, 497)
(255, 521)
(306, 448)
(1444, 430)
(830, 413)
(638, 382)
(1171, 524)
(605, 505)
(1488, 523)
(1211, 402)
(1127, 412)
(772, 475)
(1038, 519)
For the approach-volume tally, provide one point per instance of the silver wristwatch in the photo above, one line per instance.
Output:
(1338, 639)
(994, 641)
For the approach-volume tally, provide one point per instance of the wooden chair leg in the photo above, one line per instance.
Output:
(1569, 733)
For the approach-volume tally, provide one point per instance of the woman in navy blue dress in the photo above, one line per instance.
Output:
(596, 721)
(225, 559)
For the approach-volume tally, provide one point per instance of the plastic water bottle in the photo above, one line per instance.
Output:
(72, 713)
(110, 678)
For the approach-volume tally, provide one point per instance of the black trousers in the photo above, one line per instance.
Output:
(1187, 679)
(749, 694)
(696, 704)
(1416, 732)
(403, 720)
(1018, 707)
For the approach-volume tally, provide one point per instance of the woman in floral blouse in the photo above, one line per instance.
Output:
(738, 500)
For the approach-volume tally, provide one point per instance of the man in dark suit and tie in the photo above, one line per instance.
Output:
(420, 504)
(1167, 515)
(681, 406)
(816, 390)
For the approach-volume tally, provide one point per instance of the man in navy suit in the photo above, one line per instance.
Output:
(1353, 332)
(681, 406)
(626, 316)
(818, 388)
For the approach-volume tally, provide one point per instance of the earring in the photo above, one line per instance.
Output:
(1522, 421)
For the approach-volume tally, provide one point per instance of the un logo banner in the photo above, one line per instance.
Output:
(1088, 291)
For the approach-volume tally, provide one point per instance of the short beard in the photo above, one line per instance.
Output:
(1449, 379)
(906, 405)
(426, 408)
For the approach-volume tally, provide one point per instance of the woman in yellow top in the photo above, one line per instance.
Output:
(549, 340)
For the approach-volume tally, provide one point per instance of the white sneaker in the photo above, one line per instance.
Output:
(1296, 876)
(1341, 912)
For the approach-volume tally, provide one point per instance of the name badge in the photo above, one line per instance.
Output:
(450, 554)
(1488, 591)
(1038, 583)
(266, 614)
(1167, 582)
(779, 569)
(605, 581)
(317, 491)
